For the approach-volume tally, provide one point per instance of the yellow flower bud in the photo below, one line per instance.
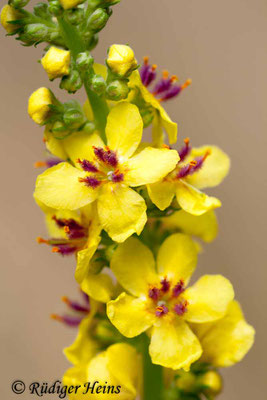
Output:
(66, 4)
(186, 381)
(9, 13)
(56, 62)
(213, 381)
(38, 106)
(121, 59)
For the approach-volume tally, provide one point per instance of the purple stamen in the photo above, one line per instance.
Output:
(180, 308)
(161, 310)
(143, 72)
(110, 158)
(117, 177)
(50, 162)
(71, 321)
(178, 289)
(91, 181)
(74, 305)
(64, 249)
(87, 166)
(172, 92)
(100, 153)
(153, 293)
(165, 285)
(184, 151)
(162, 86)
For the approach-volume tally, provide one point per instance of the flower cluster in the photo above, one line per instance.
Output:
(131, 212)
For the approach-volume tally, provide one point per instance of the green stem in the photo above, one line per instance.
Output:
(152, 375)
(76, 45)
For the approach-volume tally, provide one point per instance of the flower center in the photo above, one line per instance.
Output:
(168, 298)
(165, 88)
(104, 168)
(76, 237)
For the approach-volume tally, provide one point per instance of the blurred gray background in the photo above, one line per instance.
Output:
(221, 45)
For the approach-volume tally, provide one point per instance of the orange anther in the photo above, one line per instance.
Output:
(174, 78)
(56, 317)
(55, 250)
(39, 164)
(208, 153)
(165, 74)
(41, 240)
(44, 140)
(66, 229)
(65, 299)
(186, 84)
(186, 141)
(146, 59)
(154, 67)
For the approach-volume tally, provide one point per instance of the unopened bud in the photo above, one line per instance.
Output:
(98, 84)
(39, 105)
(73, 118)
(67, 4)
(56, 62)
(121, 59)
(84, 61)
(18, 3)
(75, 16)
(41, 10)
(89, 127)
(55, 7)
(117, 90)
(9, 14)
(186, 381)
(213, 382)
(72, 82)
(97, 20)
(36, 32)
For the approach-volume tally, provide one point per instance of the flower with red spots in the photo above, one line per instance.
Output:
(159, 298)
(197, 168)
(107, 173)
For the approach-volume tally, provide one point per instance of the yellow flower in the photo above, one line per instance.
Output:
(56, 62)
(78, 232)
(159, 299)
(204, 226)
(106, 173)
(67, 4)
(38, 106)
(117, 369)
(197, 168)
(121, 59)
(84, 347)
(9, 14)
(226, 341)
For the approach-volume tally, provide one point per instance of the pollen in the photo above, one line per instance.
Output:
(186, 84)
(41, 240)
(165, 74)
(146, 60)
(40, 164)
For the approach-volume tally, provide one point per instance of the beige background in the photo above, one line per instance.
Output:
(221, 45)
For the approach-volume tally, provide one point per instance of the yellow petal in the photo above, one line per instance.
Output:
(9, 14)
(38, 105)
(124, 129)
(58, 187)
(150, 165)
(100, 70)
(169, 126)
(84, 347)
(214, 170)
(102, 369)
(76, 376)
(193, 201)
(84, 256)
(157, 130)
(67, 4)
(227, 341)
(55, 146)
(174, 345)
(133, 265)
(130, 315)
(80, 145)
(208, 298)
(121, 211)
(125, 365)
(177, 258)
(161, 193)
(56, 62)
(204, 226)
(53, 229)
(98, 286)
